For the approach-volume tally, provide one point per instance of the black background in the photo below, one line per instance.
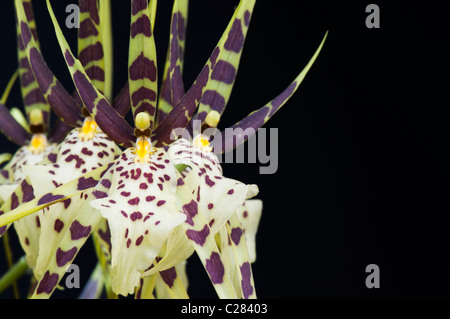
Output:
(363, 144)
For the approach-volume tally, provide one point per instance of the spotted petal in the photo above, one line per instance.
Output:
(141, 213)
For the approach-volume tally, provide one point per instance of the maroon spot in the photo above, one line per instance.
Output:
(215, 268)
(134, 201)
(236, 234)
(84, 183)
(125, 194)
(213, 99)
(135, 216)
(105, 183)
(38, 221)
(135, 174)
(199, 237)
(14, 201)
(49, 197)
(52, 157)
(99, 194)
(138, 5)
(246, 17)
(47, 283)
(63, 257)
(67, 203)
(141, 25)
(69, 58)
(169, 276)
(235, 38)
(150, 198)
(91, 7)
(86, 151)
(224, 72)
(214, 56)
(141, 68)
(246, 284)
(210, 205)
(190, 209)
(86, 29)
(143, 93)
(139, 240)
(128, 243)
(34, 96)
(78, 231)
(59, 224)
(143, 186)
(230, 192)
(209, 182)
(149, 177)
(95, 73)
(160, 203)
(25, 31)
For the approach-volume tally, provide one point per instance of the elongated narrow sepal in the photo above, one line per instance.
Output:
(32, 96)
(114, 125)
(218, 90)
(142, 67)
(252, 122)
(90, 43)
(11, 129)
(60, 100)
(172, 87)
(182, 112)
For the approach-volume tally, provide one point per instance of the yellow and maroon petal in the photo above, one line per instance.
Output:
(172, 87)
(54, 93)
(112, 123)
(218, 89)
(142, 67)
(90, 43)
(11, 128)
(141, 212)
(258, 118)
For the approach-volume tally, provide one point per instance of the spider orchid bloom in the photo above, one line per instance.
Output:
(36, 141)
(148, 146)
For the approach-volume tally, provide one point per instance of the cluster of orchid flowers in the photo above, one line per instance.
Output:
(147, 197)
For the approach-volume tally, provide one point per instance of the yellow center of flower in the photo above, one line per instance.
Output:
(38, 143)
(203, 143)
(88, 129)
(143, 150)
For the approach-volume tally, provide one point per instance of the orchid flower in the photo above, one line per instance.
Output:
(158, 198)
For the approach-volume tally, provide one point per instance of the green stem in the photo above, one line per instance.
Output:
(13, 274)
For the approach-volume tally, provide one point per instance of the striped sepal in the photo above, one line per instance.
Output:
(142, 69)
(183, 111)
(172, 87)
(218, 90)
(60, 100)
(32, 96)
(258, 118)
(90, 46)
(112, 123)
